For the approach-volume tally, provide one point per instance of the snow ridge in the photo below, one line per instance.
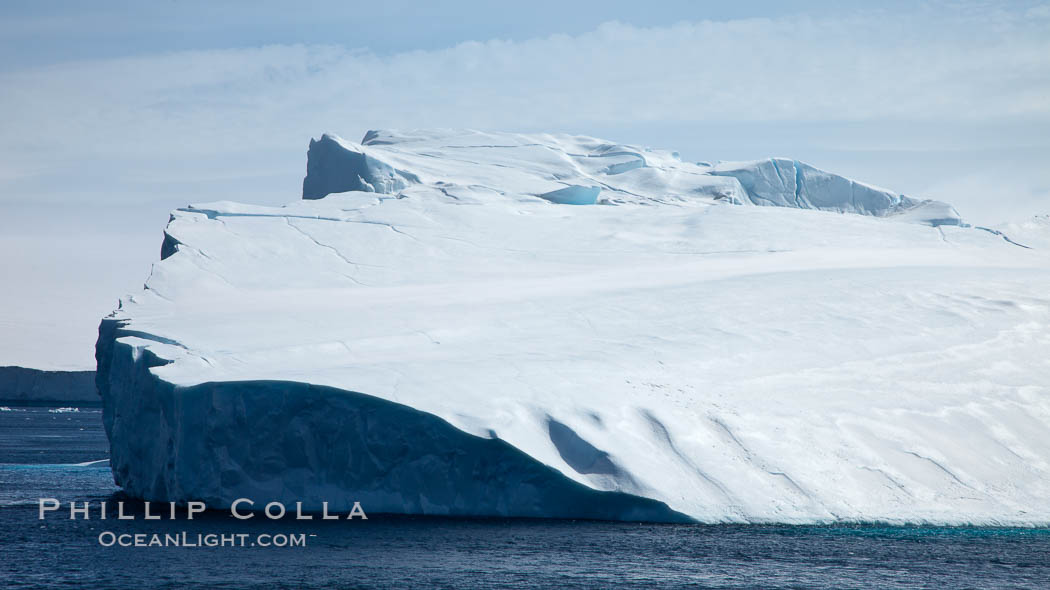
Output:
(583, 171)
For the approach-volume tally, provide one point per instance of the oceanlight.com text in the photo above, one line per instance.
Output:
(184, 539)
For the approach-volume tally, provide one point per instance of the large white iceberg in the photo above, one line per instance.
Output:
(498, 324)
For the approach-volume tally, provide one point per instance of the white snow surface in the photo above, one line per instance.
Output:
(1033, 232)
(734, 363)
(474, 166)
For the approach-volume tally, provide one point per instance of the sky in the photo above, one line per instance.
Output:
(117, 112)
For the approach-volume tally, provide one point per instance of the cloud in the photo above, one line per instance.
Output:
(988, 64)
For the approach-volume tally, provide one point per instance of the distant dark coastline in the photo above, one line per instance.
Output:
(20, 385)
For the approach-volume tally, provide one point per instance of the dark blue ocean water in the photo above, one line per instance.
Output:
(41, 455)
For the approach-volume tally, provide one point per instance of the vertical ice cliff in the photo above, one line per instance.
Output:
(543, 325)
(334, 167)
(295, 442)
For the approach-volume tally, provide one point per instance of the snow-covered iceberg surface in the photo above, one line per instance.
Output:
(584, 170)
(453, 340)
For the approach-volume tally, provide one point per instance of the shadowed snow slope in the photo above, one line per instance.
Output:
(452, 341)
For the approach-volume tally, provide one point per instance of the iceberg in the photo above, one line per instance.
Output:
(464, 323)
(25, 385)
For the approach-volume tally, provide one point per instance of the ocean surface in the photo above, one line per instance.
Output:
(59, 453)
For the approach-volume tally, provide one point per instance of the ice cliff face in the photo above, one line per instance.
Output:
(555, 326)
